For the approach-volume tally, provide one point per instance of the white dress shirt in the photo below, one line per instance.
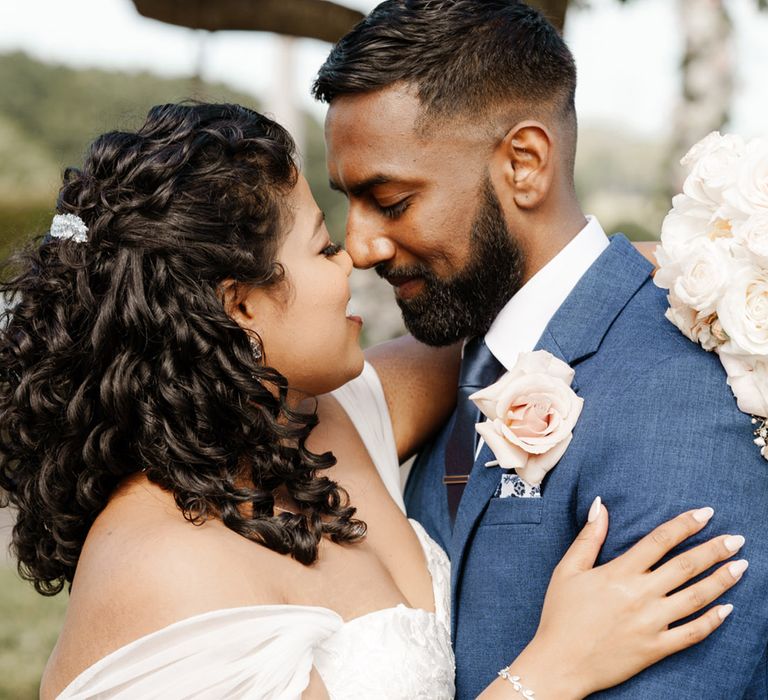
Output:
(523, 319)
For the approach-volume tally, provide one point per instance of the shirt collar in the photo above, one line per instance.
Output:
(526, 315)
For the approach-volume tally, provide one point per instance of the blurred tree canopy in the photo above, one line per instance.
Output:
(53, 112)
(49, 114)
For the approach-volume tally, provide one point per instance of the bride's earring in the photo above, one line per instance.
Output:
(256, 348)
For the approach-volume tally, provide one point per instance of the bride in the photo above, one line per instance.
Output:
(166, 463)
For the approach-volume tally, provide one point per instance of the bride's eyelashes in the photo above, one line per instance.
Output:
(332, 249)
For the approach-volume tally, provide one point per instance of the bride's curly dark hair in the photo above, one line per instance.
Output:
(117, 355)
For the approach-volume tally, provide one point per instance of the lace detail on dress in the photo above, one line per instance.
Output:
(398, 653)
(265, 652)
(440, 568)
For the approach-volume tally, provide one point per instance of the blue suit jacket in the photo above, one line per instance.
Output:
(659, 433)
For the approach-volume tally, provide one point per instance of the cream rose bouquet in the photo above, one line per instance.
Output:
(713, 260)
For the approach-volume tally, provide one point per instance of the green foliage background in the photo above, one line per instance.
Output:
(29, 625)
(49, 114)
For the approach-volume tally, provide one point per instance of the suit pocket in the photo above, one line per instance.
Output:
(509, 511)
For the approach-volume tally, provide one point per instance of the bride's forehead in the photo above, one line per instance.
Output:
(301, 201)
(303, 216)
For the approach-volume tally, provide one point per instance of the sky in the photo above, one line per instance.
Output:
(627, 55)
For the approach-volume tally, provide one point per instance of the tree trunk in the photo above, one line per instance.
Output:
(707, 76)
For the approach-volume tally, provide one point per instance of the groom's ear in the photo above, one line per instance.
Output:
(524, 157)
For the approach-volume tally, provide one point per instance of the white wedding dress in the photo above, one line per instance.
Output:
(268, 651)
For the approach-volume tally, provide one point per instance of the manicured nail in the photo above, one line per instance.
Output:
(737, 568)
(734, 543)
(702, 515)
(724, 610)
(594, 510)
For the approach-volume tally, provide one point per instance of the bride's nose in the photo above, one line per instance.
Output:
(346, 262)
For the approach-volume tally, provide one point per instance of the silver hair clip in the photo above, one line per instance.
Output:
(69, 226)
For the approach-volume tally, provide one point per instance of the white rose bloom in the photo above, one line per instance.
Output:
(749, 193)
(682, 316)
(712, 142)
(714, 168)
(708, 332)
(699, 280)
(743, 312)
(683, 229)
(752, 236)
(748, 379)
(704, 329)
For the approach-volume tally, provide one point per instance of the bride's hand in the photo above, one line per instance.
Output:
(602, 625)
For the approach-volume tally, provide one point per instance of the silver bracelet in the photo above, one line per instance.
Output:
(527, 693)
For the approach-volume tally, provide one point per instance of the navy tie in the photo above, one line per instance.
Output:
(479, 369)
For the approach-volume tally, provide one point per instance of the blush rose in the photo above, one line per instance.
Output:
(531, 413)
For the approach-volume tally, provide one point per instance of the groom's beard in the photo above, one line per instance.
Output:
(463, 306)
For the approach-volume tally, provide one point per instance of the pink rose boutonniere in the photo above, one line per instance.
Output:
(531, 413)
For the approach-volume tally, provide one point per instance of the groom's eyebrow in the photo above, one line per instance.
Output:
(361, 188)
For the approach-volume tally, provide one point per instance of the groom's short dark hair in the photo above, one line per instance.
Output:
(466, 58)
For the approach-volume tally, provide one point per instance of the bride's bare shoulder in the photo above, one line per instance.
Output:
(143, 567)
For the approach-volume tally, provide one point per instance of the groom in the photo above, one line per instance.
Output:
(452, 131)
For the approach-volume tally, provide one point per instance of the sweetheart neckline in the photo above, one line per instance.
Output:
(222, 612)
(421, 535)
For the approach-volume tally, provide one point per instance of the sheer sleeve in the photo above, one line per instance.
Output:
(364, 402)
(260, 652)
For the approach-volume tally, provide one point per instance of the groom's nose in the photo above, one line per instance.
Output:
(367, 243)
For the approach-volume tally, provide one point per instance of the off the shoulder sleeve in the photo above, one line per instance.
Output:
(260, 652)
(364, 402)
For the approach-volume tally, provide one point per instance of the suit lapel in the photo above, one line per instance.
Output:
(580, 324)
(478, 492)
(574, 333)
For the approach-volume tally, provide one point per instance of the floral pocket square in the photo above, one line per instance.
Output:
(512, 486)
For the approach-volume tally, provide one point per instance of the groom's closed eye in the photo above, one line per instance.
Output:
(395, 210)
